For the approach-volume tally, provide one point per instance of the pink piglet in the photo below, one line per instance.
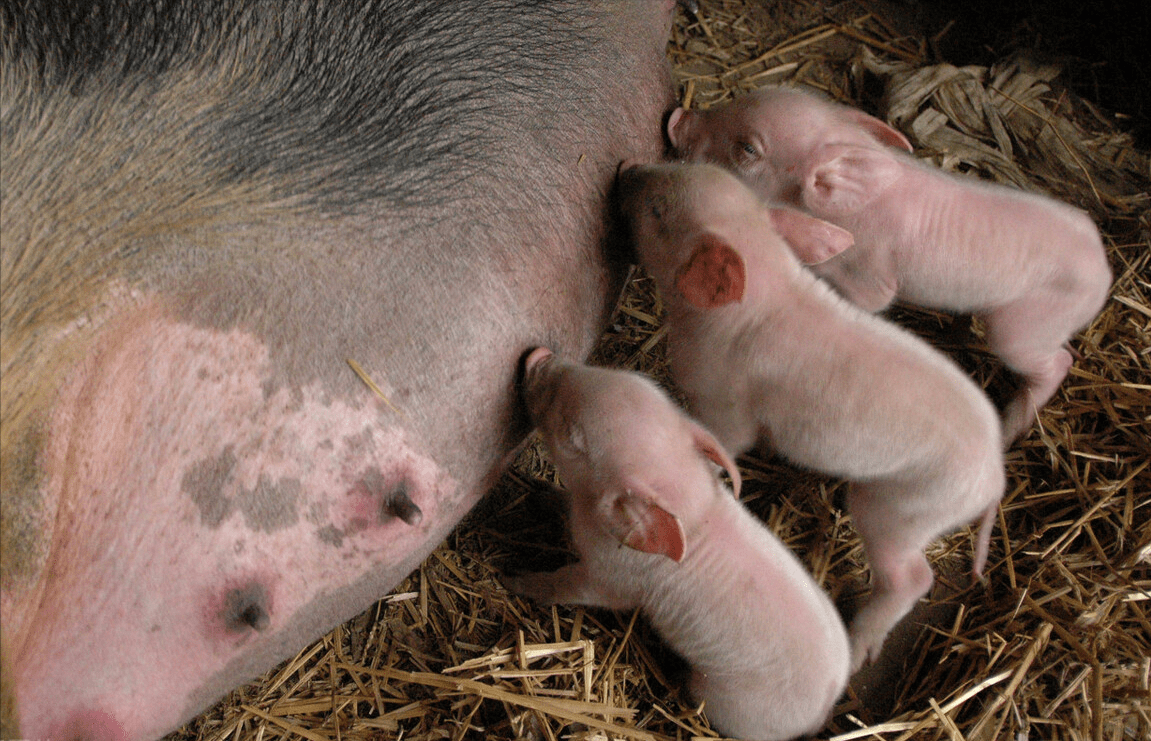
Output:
(769, 355)
(657, 529)
(1033, 268)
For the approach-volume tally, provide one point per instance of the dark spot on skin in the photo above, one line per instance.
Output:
(296, 395)
(397, 503)
(355, 444)
(204, 482)
(270, 506)
(317, 513)
(246, 608)
(331, 535)
(202, 374)
(298, 399)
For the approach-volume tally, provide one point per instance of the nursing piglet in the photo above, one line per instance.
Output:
(1031, 267)
(767, 353)
(768, 652)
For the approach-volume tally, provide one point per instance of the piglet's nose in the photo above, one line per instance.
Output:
(90, 725)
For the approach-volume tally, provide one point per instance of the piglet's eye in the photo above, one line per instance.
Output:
(748, 148)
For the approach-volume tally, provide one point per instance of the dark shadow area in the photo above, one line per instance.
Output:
(1103, 46)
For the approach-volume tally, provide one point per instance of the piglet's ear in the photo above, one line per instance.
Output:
(882, 132)
(639, 523)
(713, 276)
(677, 124)
(845, 179)
(812, 240)
(706, 443)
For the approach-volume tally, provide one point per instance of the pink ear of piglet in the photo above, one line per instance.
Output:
(844, 179)
(811, 240)
(706, 443)
(714, 275)
(674, 135)
(881, 131)
(638, 522)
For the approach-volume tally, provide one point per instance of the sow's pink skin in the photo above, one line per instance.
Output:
(769, 354)
(768, 652)
(1032, 268)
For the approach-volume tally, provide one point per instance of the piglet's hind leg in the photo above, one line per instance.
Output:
(899, 579)
(1041, 379)
(1030, 337)
(900, 572)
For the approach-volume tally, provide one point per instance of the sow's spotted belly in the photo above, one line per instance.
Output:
(202, 513)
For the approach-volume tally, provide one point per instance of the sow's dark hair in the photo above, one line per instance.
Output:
(332, 102)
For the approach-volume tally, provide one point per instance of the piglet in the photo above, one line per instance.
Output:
(767, 353)
(1031, 267)
(768, 652)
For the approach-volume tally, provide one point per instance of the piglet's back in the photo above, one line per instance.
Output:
(769, 652)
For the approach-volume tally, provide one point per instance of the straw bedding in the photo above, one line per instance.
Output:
(1055, 644)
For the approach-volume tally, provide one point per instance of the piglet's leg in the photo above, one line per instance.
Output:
(900, 573)
(898, 581)
(1041, 380)
(572, 584)
(1024, 338)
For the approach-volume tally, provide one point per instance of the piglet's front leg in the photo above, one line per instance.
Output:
(573, 584)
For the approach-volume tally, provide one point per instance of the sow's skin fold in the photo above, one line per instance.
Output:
(1033, 268)
(768, 354)
(768, 651)
(208, 207)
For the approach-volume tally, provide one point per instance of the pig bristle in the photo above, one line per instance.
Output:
(1056, 638)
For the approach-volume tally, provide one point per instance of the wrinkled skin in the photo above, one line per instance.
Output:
(767, 354)
(769, 654)
(208, 208)
(1032, 268)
